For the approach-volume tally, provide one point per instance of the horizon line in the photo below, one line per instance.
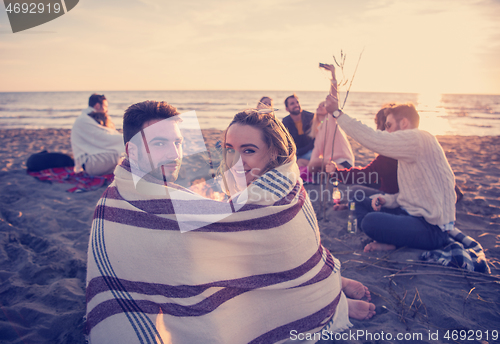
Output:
(221, 90)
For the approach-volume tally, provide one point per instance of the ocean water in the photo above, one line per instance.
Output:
(444, 114)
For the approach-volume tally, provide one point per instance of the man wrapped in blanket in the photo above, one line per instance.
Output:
(166, 265)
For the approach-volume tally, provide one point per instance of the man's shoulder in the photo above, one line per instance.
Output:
(307, 116)
(87, 110)
(422, 136)
(84, 114)
(287, 120)
(429, 141)
(425, 134)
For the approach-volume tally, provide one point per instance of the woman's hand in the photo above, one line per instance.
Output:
(329, 67)
(333, 85)
(332, 100)
(331, 167)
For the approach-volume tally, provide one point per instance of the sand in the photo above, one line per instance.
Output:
(44, 233)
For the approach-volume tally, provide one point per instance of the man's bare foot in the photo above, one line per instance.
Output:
(360, 310)
(354, 289)
(377, 246)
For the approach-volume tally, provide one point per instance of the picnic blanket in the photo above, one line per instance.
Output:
(461, 251)
(83, 181)
(251, 270)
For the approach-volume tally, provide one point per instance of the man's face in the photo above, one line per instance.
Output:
(160, 153)
(102, 107)
(391, 124)
(293, 106)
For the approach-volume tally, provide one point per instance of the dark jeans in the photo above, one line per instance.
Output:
(397, 227)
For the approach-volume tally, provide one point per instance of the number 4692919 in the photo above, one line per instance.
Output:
(471, 335)
(33, 8)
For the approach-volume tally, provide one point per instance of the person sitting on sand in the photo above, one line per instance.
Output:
(384, 168)
(423, 210)
(96, 148)
(265, 103)
(379, 176)
(330, 142)
(260, 146)
(298, 123)
(235, 276)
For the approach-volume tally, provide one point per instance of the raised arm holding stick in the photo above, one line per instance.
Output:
(330, 142)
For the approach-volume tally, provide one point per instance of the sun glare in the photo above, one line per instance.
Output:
(432, 114)
(429, 100)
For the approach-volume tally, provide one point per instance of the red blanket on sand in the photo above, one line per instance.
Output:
(83, 181)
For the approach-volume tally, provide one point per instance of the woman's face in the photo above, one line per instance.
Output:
(321, 110)
(245, 142)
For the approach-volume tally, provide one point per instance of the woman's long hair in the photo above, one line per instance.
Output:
(314, 127)
(274, 134)
(381, 116)
(313, 131)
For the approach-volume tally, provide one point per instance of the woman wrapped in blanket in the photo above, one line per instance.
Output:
(166, 265)
(260, 157)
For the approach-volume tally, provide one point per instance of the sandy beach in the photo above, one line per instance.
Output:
(44, 234)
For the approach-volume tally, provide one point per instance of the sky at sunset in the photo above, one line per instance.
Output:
(425, 46)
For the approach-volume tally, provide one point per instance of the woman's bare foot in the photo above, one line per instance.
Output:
(354, 289)
(377, 246)
(360, 310)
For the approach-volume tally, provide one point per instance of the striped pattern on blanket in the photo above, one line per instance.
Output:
(252, 276)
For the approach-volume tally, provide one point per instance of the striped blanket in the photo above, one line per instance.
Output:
(461, 251)
(256, 275)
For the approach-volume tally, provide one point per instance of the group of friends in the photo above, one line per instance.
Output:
(250, 269)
